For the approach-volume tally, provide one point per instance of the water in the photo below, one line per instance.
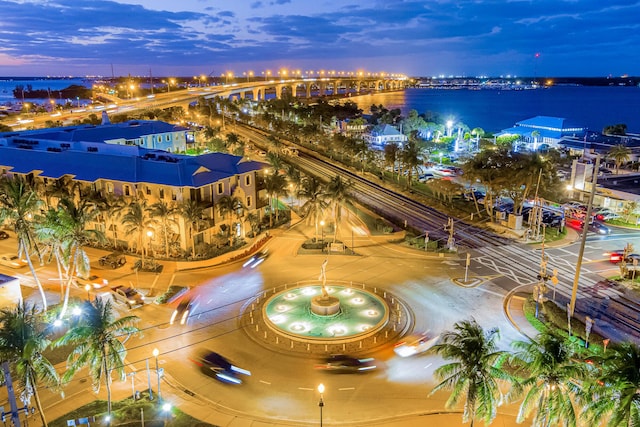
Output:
(7, 84)
(493, 110)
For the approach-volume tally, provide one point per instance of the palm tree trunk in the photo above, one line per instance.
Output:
(37, 280)
(107, 380)
(36, 396)
(166, 241)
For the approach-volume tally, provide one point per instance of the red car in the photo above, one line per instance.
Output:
(616, 256)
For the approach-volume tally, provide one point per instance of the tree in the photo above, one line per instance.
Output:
(620, 154)
(191, 211)
(136, 221)
(410, 159)
(165, 216)
(314, 206)
(550, 373)
(98, 343)
(276, 186)
(474, 375)
(67, 228)
(391, 156)
(18, 204)
(617, 129)
(339, 194)
(612, 397)
(22, 344)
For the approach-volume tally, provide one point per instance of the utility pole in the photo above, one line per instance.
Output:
(15, 417)
(583, 240)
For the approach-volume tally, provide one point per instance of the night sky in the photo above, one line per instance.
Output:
(416, 38)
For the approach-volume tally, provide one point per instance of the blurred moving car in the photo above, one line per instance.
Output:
(12, 261)
(616, 256)
(414, 344)
(127, 295)
(4, 235)
(220, 368)
(256, 259)
(345, 363)
(95, 281)
(113, 260)
(595, 227)
(184, 309)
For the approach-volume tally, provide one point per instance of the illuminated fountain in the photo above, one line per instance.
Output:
(321, 314)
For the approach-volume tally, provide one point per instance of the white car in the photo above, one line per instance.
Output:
(414, 344)
(12, 261)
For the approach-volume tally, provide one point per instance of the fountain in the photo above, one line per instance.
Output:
(331, 315)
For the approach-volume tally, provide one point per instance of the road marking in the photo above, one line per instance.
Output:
(265, 382)
(428, 365)
(346, 388)
(306, 389)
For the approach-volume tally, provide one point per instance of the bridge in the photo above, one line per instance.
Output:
(308, 87)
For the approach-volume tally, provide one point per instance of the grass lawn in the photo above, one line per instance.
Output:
(128, 412)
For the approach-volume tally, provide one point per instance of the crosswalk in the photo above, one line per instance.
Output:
(521, 264)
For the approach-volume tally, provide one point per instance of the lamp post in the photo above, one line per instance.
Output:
(150, 236)
(322, 226)
(87, 288)
(155, 354)
(321, 402)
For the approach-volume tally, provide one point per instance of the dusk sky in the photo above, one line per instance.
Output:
(416, 38)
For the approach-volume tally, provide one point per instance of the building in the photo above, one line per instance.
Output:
(542, 132)
(382, 135)
(138, 160)
(593, 143)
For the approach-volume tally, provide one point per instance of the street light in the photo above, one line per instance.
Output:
(150, 236)
(87, 288)
(155, 354)
(321, 402)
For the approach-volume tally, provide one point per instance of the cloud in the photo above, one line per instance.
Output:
(410, 36)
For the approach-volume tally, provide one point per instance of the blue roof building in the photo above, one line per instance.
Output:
(543, 131)
(136, 160)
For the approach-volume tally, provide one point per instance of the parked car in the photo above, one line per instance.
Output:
(4, 235)
(599, 228)
(342, 363)
(220, 368)
(113, 260)
(12, 261)
(426, 177)
(256, 259)
(414, 344)
(184, 310)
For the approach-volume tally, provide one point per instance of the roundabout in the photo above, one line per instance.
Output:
(317, 317)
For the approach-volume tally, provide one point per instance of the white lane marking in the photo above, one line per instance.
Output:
(346, 388)
(428, 365)
(306, 389)
(265, 382)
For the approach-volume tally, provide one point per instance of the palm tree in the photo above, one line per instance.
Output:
(22, 342)
(551, 377)
(313, 209)
(228, 205)
(191, 211)
(613, 396)
(339, 195)
(474, 375)
(67, 228)
(166, 218)
(136, 220)
(98, 343)
(410, 159)
(18, 203)
(477, 133)
(276, 186)
(294, 176)
(620, 154)
(391, 156)
(254, 222)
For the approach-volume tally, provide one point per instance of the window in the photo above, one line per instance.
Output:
(220, 188)
(109, 187)
(127, 190)
(248, 201)
(247, 180)
(162, 193)
(148, 191)
(174, 196)
(166, 137)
